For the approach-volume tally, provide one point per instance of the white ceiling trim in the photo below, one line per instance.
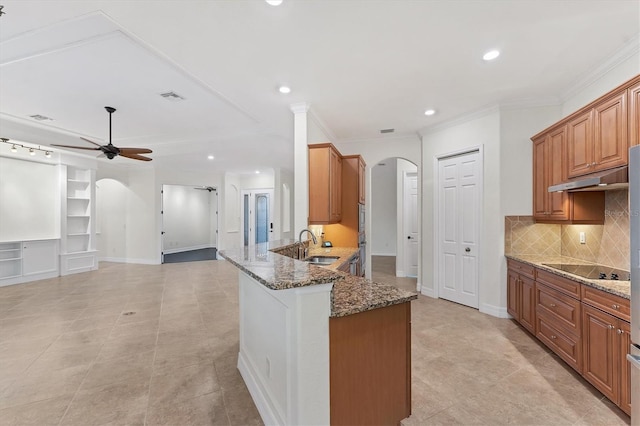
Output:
(630, 48)
(313, 115)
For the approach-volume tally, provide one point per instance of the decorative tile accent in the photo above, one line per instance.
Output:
(606, 244)
(524, 236)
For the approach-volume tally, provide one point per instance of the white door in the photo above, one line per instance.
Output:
(411, 242)
(459, 179)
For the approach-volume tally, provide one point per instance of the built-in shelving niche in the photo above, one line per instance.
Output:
(10, 260)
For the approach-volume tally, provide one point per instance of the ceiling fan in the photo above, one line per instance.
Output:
(110, 150)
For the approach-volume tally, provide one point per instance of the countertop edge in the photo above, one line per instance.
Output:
(603, 285)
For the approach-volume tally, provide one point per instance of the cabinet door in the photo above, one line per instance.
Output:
(335, 191)
(540, 194)
(610, 133)
(39, 257)
(624, 331)
(319, 185)
(600, 346)
(527, 304)
(580, 145)
(558, 204)
(513, 294)
(634, 115)
(361, 181)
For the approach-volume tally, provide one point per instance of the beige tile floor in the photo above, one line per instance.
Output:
(70, 355)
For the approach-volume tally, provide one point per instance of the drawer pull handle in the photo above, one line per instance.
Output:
(611, 327)
(620, 331)
(553, 337)
(552, 305)
(616, 307)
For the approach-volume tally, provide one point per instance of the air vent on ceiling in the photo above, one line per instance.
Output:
(382, 164)
(387, 130)
(41, 117)
(172, 96)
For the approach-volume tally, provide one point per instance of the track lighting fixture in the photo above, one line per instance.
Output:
(32, 150)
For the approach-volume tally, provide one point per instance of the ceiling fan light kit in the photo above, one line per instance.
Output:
(110, 150)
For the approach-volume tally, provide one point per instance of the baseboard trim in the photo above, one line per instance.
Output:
(383, 254)
(127, 260)
(494, 311)
(429, 292)
(183, 249)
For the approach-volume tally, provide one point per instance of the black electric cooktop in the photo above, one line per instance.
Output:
(592, 272)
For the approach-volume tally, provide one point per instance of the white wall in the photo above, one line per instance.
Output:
(481, 131)
(111, 207)
(187, 218)
(614, 77)
(384, 210)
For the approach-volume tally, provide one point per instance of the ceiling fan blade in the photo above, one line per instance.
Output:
(87, 140)
(135, 151)
(76, 147)
(135, 156)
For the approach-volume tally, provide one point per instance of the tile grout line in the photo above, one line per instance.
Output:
(155, 353)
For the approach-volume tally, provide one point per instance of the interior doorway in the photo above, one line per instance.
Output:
(394, 215)
(189, 223)
(459, 196)
(257, 216)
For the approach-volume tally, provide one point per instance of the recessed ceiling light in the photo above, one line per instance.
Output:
(491, 55)
(284, 89)
(274, 2)
(210, 157)
(257, 172)
(430, 112)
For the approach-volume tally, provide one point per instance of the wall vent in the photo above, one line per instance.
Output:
(41, 117)
(387, 130)
(172, 96)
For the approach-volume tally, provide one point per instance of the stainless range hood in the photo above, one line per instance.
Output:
(599, 181)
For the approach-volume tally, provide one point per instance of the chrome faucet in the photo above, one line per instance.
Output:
(302, 252)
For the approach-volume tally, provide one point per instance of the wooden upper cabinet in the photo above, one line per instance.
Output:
(362, 173)
(598, 137)
(610, 143)
(549, 169)
(633, 97)
(580, 144)
(325, 184)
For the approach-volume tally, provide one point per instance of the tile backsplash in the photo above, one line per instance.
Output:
(524, 236)
(606, 244)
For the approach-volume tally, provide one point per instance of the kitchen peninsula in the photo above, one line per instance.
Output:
(319, 346)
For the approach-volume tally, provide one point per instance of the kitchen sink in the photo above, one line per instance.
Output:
(322, 260)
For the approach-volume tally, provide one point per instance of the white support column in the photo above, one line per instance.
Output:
(300, 167)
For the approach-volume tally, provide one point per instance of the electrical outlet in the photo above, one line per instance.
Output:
(583, 238)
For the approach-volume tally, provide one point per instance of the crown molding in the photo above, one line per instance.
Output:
(313, 115)
(630, 48)
(394, 136)
(482, 112)
(300, 107)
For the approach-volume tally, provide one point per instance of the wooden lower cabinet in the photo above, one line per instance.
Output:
(521, 296)
(606, 342)
(565, 345)
(370, 366)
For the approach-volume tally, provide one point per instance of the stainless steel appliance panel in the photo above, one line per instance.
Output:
(634, 361)
(634, 220)
(361, 217)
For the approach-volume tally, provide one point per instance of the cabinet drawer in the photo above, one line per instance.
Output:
(615, 305)
(564, 345)
(561, 284)
(559, 308)
(521, 268)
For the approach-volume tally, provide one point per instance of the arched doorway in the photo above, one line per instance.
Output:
(394, 213)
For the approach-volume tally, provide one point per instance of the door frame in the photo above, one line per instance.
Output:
(251, 193)
(436, 213)
(215, 213)
(402, 230)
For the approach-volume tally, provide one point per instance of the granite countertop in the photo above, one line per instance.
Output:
(619, 288)
(350, 294)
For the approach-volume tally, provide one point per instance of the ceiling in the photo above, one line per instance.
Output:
(362, 66)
